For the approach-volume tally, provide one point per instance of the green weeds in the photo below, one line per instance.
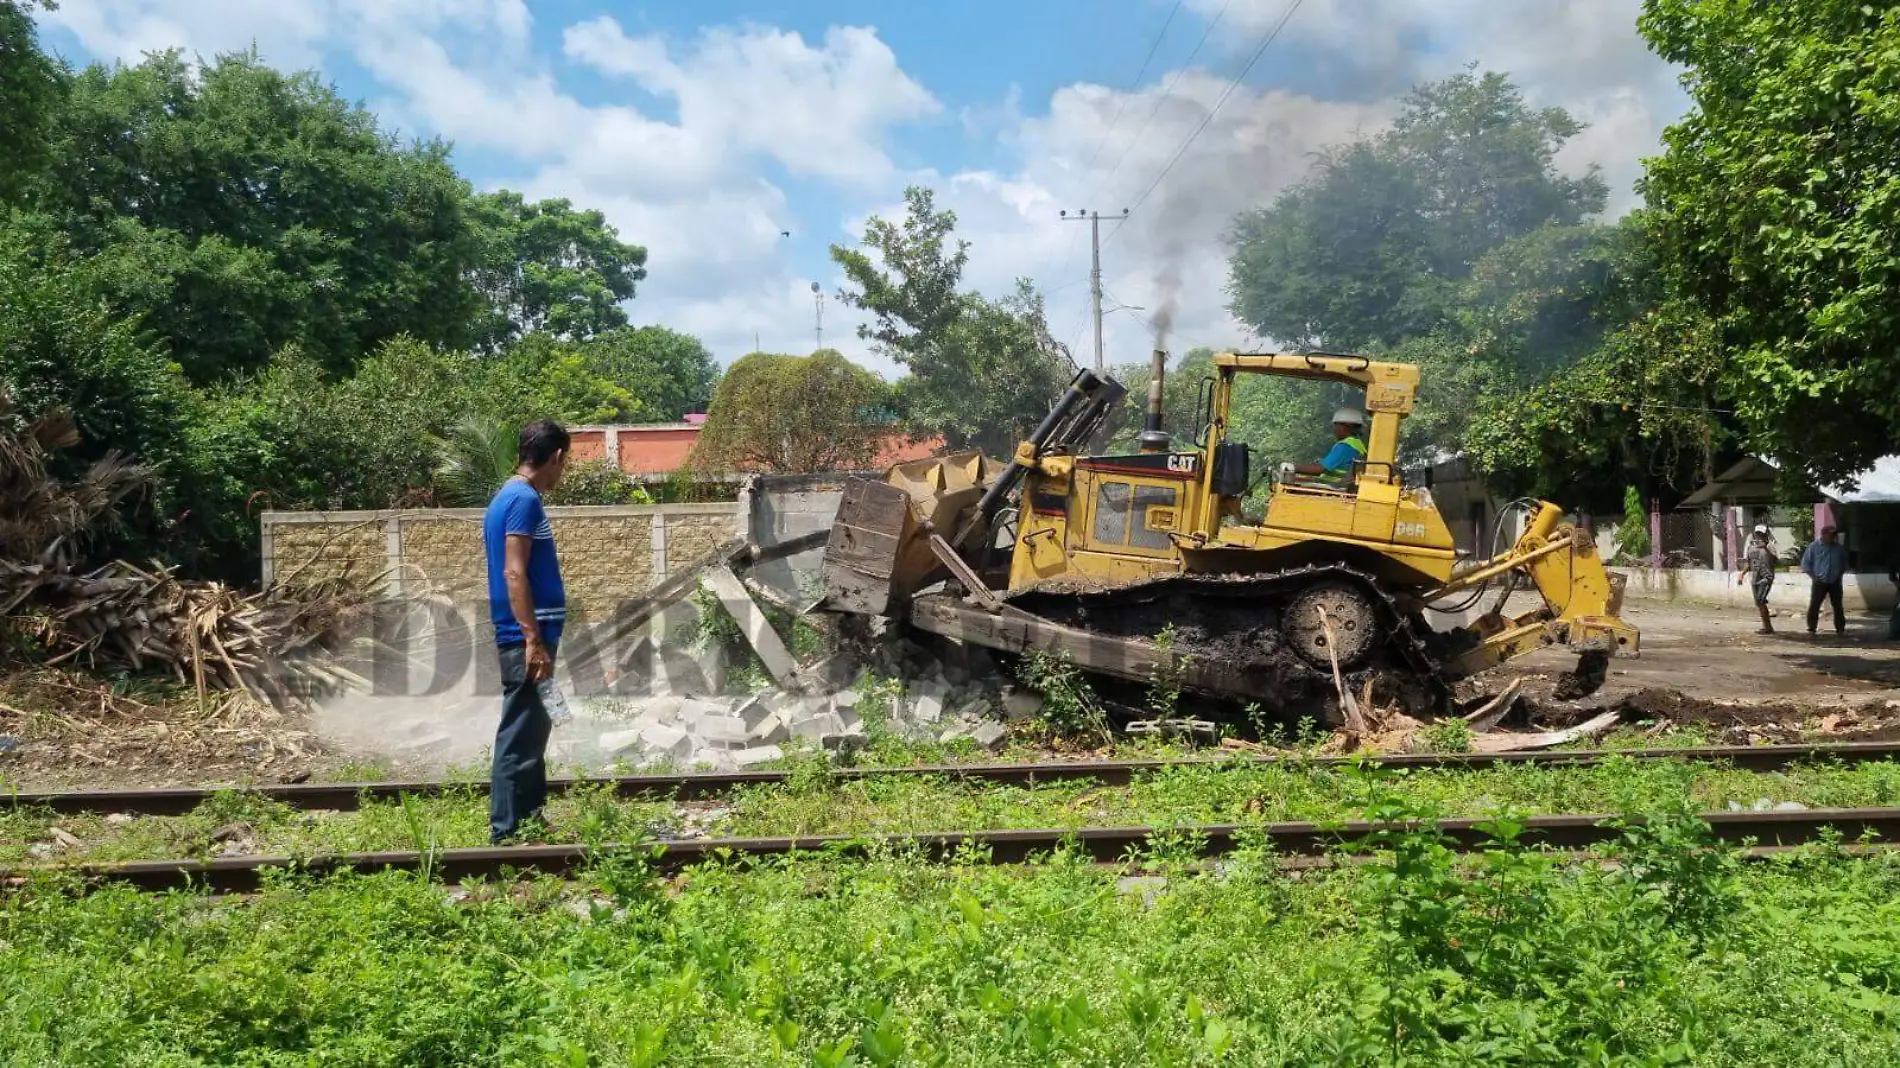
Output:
(816, 801)
(1670, 951)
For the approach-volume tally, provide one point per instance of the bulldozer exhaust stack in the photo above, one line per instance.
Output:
(1153, 437)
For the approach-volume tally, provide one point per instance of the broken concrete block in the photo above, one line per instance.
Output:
(926, 707)
(665, 741)
(617, 743)
(979, 708)
(715, 759)
(832, 671)
(846, 699)
(696, 708)
(792, 707)
(818, 727)
(846, 711)
(989, 734)
(1021, 704)
(723, 732)
(770, 731)
(753, 711)
(756, 755)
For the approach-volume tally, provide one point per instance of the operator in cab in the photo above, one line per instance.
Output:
(1349, 448)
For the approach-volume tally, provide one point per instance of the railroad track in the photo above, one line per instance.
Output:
(1762, 832)
(348, 796)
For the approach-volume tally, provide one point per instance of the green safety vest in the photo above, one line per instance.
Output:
(1340, 477)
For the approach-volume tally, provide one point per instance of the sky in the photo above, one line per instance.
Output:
(737, 140)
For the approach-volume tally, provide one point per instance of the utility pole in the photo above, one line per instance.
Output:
(1095, 271)
(818, 303)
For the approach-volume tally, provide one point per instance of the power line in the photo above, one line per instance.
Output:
(1166, 92)
(1266, 43)
(1132, 84)
(1068, 253)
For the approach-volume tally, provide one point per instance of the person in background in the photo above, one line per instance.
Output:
(1760, 573)
(529, 607)
(1825, 562)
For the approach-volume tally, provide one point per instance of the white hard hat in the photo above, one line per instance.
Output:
(1350, 415)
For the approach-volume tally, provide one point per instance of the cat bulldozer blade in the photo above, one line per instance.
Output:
(1133, 565)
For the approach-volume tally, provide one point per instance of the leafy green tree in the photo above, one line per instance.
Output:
(795, 414)
(1632, 534)
(1779, 206)
(356, 442)
(982, 372)
(992, 377)
(1642, 409)
(548, 267)
(668, 373)
(1371, 248)
(241, 210)
(542, 377)
(32, 85)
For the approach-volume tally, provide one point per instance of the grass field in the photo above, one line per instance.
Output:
(1666, 954)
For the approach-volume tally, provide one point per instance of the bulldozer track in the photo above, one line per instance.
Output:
(692, 786)
(1761, 833)
(1092, 607)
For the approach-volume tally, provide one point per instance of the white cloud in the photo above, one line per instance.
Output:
(817, 111)
(697, 183)
(1584, 55)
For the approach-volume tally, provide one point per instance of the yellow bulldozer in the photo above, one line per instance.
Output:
(1141, 564)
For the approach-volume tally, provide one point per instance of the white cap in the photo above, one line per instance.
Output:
(1761, 528)
(1350, 415)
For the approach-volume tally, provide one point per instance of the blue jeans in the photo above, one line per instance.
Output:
(518, 783)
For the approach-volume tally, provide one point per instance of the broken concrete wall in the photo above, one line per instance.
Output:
(782, 507)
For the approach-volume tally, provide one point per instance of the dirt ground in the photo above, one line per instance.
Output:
(1715, 655)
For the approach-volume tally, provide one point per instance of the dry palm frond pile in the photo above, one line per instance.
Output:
(57, 610)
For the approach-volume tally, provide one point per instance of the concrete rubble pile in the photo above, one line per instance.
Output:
(678, 723)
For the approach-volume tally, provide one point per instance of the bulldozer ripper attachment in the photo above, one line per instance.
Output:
(880, 551)
(1581, 601)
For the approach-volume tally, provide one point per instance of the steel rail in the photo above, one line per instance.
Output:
(692, 786)
(1768, 831)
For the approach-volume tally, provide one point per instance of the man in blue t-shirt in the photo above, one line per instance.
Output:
(1335, 468)
(528, 605)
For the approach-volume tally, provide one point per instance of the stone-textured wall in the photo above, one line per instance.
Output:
(608, 554)
(325, 545)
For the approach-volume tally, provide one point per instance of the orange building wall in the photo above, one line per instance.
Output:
(662, 448)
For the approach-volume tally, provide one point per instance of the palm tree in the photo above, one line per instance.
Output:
(473, 459)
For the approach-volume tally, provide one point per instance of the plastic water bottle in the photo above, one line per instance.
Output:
(554, 701)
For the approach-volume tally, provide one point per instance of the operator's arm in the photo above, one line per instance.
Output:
(521, 601)
(1808, 561)
(1339, 458)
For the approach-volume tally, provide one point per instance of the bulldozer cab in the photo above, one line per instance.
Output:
(1372, 517)
(1176, 504)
